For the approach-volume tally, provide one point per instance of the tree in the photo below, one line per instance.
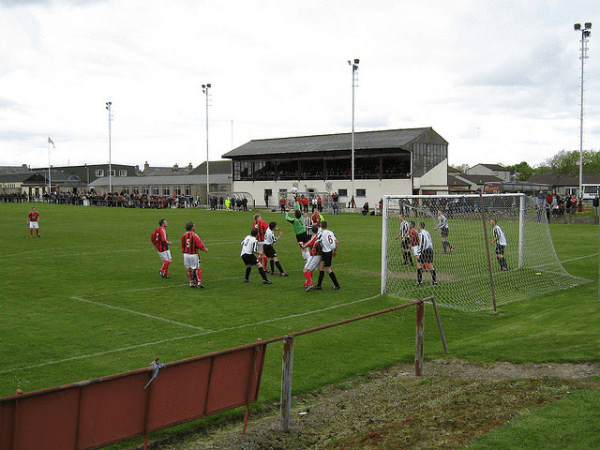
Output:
(522, 170)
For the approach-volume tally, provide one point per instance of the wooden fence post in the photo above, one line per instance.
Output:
(420, 339)
(286, 382)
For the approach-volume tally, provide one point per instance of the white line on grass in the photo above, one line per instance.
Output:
(131, 311)
(192, 336)
(579, 258)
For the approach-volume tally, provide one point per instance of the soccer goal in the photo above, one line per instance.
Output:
(472, 273)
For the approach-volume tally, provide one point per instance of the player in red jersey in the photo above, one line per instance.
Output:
(262, 228)
(317, 218)
(314, 259)
(34, 222)
(190, 246)
(161, 242)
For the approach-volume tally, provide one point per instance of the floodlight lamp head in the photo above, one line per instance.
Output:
(208, 85)
(356, 61)
(588, 25)
(203, 86)
(577, 26)
(587, 33)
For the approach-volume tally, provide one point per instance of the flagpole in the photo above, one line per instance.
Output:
(49, 167)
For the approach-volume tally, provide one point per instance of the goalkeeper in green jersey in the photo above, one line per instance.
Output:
(297, 222)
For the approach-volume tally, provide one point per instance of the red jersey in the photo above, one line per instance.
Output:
(34, 216)
(262, 227)
(191, 243)
(316, 218)
(159, 239)
(413, 237)
(314, 245)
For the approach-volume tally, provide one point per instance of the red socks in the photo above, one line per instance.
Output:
(165, 267)
(308, 276)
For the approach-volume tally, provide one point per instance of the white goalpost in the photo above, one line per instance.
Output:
(470, 271)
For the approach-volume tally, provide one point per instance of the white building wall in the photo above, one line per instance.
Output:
(375, 189)
(436, 179)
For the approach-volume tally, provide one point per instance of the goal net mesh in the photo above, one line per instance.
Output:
(469, 275)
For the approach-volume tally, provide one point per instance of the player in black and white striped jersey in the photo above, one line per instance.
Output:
(501, 242)
(405, 240)
(425, 255)
(443, 227)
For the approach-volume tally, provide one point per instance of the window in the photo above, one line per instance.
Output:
(122, 173)
(343, 192)
(269, 192)
(125, 190)
(361, 192)
(155, 190)
(113, 173)
(177, 190)
(99, 173)
(135, 190)
(166, 190)
(145, 190)
(188, 191)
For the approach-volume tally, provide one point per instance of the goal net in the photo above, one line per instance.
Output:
(471, 271)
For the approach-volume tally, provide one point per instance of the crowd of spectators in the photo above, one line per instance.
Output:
(117, 200)
(335, 169)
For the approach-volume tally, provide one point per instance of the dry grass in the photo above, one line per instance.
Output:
(449, 407)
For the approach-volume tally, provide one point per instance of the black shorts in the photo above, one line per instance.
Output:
(499, 249)
(444, 232)
(250, 259)
(302, 237)
(326, 259)
(405, 245)
(426, 256)
(269, 251)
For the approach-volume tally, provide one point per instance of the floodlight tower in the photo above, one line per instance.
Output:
(585, 34)
(205, 88)
(354, 65)
(109, 108)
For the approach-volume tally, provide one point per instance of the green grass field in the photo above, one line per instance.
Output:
(85, 300)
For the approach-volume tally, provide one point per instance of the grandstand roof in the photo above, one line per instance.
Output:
(366, 140)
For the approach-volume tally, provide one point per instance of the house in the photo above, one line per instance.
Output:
(186, 183)
(495, 170)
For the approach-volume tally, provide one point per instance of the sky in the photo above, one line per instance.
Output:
(500, 80)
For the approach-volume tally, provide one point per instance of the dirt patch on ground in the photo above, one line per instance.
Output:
(450, 406)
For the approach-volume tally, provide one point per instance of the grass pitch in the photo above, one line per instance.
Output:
(85, 300)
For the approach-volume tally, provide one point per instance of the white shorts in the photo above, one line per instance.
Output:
(191, 261)
(415, 251)
(165, 256)
(33, 224)
(259, 246)
(312, 262)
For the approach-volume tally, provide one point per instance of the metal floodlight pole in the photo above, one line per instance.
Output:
(585, 34)
(354, 65)
(205, 88)
(109, 108)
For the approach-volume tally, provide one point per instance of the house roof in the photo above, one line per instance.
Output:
(565, 180)
(214, 167)
(14, 177)
(456, 182)
(366, 140)
(480, 179)
(148, 180)
(494, 167)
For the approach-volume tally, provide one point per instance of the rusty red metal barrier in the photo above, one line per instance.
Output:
(99, 412)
